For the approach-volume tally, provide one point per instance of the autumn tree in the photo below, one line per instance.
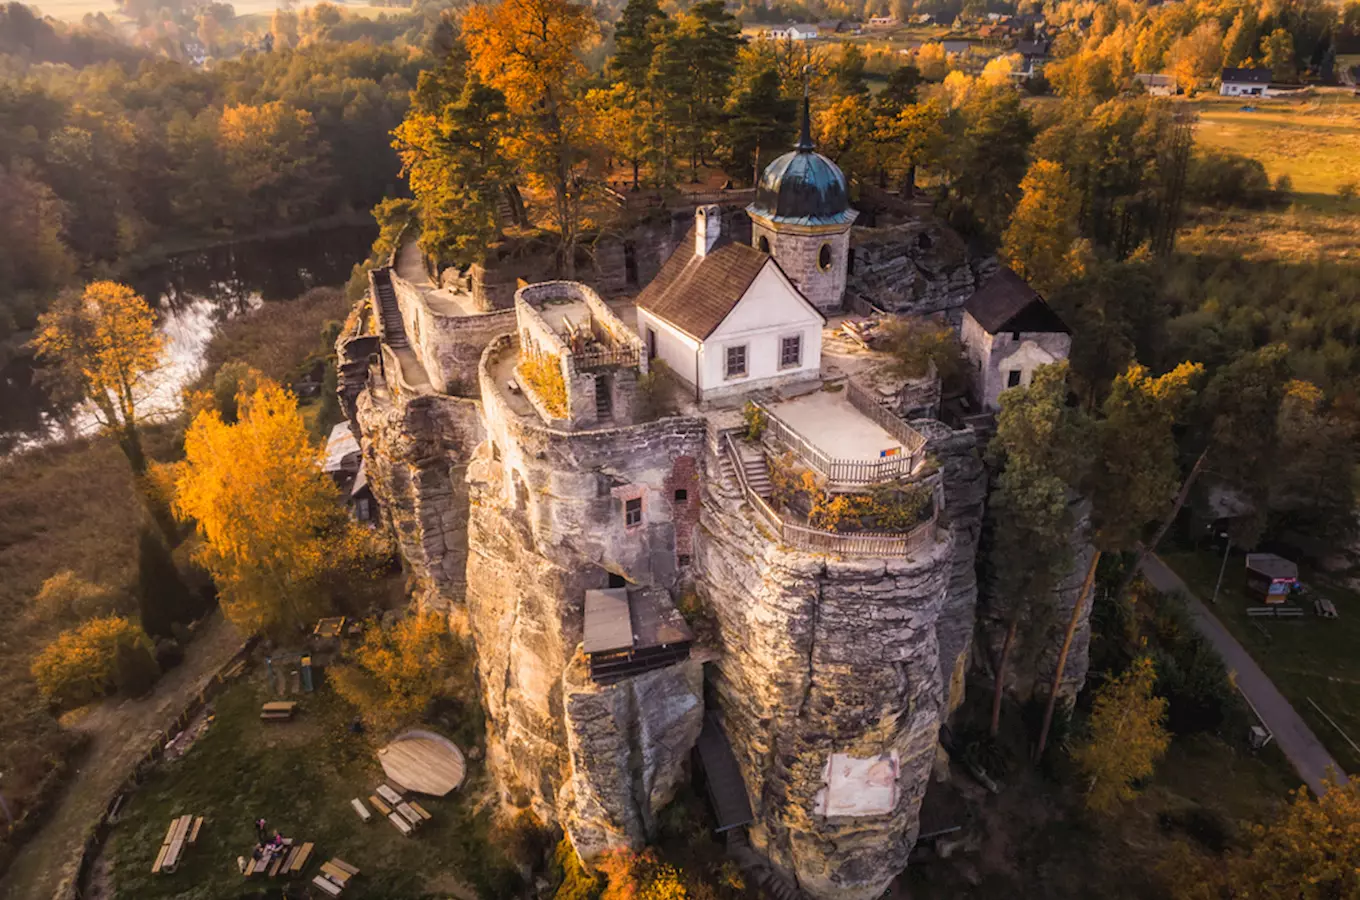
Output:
(1039, 238)
(1133, 470)
(453, 160)
(103, 346)
(1306, 496)
(274, 156)
(529, 51)
(1240, 40)
(1198, 56)
(395, 673)
(932, 61)
(86, 662)
(274, 536)
(692, 74)
(760, 125)
(1127, 737)
(1038, 441)
(990, 134)
(913, 138)
(1277, 54)
(847, 75)
(640, 876)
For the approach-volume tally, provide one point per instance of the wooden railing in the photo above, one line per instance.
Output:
(854, 472)
(814, 540)
(606, 356)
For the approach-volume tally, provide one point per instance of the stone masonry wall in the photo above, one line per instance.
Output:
(823, 656)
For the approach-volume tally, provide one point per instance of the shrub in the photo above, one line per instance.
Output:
(67, 597)
(395, 673)
(917, 344)
(542, 374)
(163, 597)
(573, 881)
(85, 662)
(1227, 179)
(1284, 186)
(640, 876)
(1346, 191)
(756, 421)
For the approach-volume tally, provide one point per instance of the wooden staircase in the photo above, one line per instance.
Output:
(756, 470)
(394, 330)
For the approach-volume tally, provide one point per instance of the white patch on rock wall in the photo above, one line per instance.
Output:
(858, 787)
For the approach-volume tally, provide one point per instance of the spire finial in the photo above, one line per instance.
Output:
(804, 144)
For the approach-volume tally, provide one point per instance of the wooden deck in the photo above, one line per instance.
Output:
(424, 762)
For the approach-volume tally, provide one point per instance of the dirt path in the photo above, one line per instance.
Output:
(121, 731)
(1295, 738)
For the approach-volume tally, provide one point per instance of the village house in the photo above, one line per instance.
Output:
(794, 32)
(1244, 82)
(1158, 85)
(1008, 332)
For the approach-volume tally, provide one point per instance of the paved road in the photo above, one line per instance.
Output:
(1295, 738)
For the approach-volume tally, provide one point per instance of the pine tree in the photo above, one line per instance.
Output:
(163, 598)
(1043, 227)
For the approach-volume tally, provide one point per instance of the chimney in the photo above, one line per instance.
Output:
(707, 227)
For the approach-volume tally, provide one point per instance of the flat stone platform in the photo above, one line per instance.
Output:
(828, 421)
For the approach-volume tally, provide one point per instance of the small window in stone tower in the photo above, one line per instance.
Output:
(763, 244)
(681, 495)
(791, 352)
(632, 512)
(1013, 378)
(824, 258)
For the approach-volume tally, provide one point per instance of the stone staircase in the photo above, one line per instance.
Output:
(603, 410)
(756, 470)
(768, 880)
(394, 330)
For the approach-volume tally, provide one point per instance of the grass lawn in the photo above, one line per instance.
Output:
(1311, 140)
(300, 776)
(1307, 657)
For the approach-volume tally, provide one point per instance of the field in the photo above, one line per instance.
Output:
(75, 10)
(1311, 140)
(1308, 657)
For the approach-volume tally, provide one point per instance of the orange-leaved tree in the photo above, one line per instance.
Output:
(1127, 736)
(102, 346)
(529, 50)
(85, 662)
(397, 671)
(640, 876)
(274, 536)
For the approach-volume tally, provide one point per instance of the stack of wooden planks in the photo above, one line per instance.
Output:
(334, 876)
(183, 832)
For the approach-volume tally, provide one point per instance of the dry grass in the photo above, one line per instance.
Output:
(1312, 140)
(282, 340)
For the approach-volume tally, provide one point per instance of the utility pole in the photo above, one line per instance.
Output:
(1227, 548)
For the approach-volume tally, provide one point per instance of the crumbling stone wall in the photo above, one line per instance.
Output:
(823, 656)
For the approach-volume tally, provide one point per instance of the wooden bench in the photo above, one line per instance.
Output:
(335, 873)
(300, 859)
(341, 864)
(1288, 612)
(378, 804)
(1256, 611)
(278, 711)
(410, 815)
(193, 832)
(327, 885)
(361, 809)
(388, 794)
(401, 824)
(172, 848)
(420, 810)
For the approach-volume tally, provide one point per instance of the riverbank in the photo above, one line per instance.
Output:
(73, 506)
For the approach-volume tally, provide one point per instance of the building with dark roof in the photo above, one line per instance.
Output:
(1244, 82)
(1008, 332)
(725, 318)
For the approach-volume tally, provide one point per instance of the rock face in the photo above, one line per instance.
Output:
(917, 268)
(546, 524)
(829, 670)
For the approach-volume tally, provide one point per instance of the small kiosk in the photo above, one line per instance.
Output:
(1271, 576)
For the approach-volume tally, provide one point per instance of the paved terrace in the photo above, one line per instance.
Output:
(411, 268)
(829, 422)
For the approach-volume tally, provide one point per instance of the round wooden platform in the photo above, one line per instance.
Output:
(424, 762)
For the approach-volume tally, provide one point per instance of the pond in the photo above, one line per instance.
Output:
(194, 291)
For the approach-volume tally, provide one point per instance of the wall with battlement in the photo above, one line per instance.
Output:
(448, 346)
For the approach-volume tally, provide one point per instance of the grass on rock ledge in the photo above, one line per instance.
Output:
(300, 776)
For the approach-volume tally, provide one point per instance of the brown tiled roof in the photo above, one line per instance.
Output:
(695, 293)
(1007, 303)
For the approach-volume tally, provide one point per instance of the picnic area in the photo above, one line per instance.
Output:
(307, 776)
(1309, 654)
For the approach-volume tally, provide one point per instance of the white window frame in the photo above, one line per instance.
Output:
(797, 364)
(728, 374)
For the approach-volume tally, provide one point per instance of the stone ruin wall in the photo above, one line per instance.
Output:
(917, 268)
(822, 656)
(546, 525)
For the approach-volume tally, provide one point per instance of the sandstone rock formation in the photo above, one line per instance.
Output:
(917, 268)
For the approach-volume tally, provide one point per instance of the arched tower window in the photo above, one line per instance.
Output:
(824, 258)
(763, 244)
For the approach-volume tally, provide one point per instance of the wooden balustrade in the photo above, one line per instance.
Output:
(815, 540)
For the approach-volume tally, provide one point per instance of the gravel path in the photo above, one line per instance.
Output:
(1295, 738)
(121, 731)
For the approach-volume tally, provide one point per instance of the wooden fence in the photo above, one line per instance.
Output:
(856, 472)
(815, 540)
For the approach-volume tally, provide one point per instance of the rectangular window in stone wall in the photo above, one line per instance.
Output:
(632, 512)
(736, 361)
(791, 352)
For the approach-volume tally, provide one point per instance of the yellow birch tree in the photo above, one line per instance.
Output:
(1127, 737)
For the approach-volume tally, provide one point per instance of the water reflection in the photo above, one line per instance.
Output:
(195, 292)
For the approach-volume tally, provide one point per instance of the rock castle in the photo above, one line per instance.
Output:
(703, 517)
